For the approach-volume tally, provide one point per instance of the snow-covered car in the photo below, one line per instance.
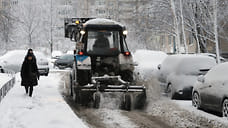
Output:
(147, 62)
(56, 54)
(211, 90)
(13, 60)
(42, 63)
(214, 56)
(65, 61)
(178, 73)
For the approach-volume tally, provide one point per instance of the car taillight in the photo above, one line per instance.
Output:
(80, 53)
(127, 53)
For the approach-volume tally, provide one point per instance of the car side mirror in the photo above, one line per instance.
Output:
(201, 79)
(159, 67)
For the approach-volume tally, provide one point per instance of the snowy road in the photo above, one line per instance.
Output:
(159, 113)
(115, 118)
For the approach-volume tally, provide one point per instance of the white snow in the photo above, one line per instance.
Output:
(218, 73)
(56, 54)
(13, 57)
(4, 78)
(46, 109)
(148, 61)
(187, 105)
(102, 21)
(13, 60)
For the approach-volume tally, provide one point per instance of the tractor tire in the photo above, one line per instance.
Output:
(71, 85)
(77, 97)
(96, 100)
(140, 101)
(128, 102)
(83, 77)
(127, 75)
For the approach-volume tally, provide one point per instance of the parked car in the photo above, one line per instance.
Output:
(65, 61)
(178, 73)
(211, 90)
(13, 60)
(42, 63)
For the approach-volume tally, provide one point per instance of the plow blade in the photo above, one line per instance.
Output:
(113, 88)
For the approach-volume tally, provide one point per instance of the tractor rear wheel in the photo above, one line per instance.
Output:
(96, 100)
(128, 102)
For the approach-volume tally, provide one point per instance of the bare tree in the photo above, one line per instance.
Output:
(30, 20)
(5, 26)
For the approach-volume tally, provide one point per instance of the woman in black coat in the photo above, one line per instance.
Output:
(29, 73)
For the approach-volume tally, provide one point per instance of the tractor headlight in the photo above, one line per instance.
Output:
(125, 32)
(77, 22)
(82, 32)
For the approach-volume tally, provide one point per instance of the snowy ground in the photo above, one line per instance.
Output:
(46, 109)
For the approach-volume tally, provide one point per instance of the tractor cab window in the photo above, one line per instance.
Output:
(103, 42)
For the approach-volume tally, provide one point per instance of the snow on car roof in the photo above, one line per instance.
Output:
(14, 56)
(218, 73)
(193, 64)
(17, 56)
(57, 53)
(102, 21)
(187, 63)
(148, 58)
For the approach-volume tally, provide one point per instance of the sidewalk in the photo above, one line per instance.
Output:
(46, 109)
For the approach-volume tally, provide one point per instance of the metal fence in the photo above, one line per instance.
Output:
(6, 87)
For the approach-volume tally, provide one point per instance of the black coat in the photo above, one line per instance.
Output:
(29, 73)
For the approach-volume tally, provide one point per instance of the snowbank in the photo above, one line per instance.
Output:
(4, 78)
(46, 109)
(148, 61)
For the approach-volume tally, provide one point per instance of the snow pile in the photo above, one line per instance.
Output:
(180, 114)
(148, 62)
(46, 109)
(4, 78)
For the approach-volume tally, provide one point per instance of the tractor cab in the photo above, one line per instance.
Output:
(103, 41)
(102, 37)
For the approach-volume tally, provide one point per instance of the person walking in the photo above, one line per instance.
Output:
(29, 73)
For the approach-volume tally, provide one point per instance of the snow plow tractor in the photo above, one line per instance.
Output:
(103, 63)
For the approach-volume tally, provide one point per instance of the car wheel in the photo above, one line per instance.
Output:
(225, 108)
(196, 102)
